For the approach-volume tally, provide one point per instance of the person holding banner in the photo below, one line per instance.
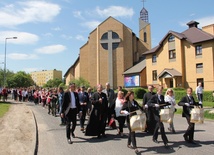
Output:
(188, 103)
(156, 103)
(129, 108)
(170, 98)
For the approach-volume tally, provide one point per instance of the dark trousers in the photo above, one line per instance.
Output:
(190, 130)
(82, 118)
(159, 125)
(131, 137)
(121, 120)
(102, 125)
(71, 117)
(110, 113)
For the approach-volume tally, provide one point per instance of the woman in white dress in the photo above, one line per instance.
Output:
(170, 98)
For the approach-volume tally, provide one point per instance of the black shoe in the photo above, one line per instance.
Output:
(104, 135)
(192, 142)
(186, 138)
(155, 140)
(98, 137)
(69, 141)
(73, 135)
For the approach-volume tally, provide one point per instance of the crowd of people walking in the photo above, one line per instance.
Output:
(104, 104)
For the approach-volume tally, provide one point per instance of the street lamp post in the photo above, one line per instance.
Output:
(5, 58)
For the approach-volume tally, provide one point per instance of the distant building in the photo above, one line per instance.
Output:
(183, 59)
(41, 77)
(111, 49)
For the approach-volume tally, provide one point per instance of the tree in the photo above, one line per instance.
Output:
(81, 82)
(8, 74)
(53, 83)
(20, 79)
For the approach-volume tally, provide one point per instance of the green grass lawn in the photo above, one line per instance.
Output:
(4, 107)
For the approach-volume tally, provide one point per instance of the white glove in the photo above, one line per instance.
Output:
(157, 105)
(187, 104)
(200, 102)
(125, 112)
(146, 106)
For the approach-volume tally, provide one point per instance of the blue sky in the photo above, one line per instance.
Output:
(50, 32)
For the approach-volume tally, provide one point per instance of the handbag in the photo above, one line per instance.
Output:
(138, 122)
(112, 123)
(197, 115)
(166, 115)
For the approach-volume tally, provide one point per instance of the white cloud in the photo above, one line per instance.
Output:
(52, 49)
(28, 70)
(66, 36)
(115, 11)
(80, 37)
(205, 21)
(202, 21)
(22, 56)
(22, 37)
(48, 35)
(28, 11)
(78, 14)
(91, 24)
(56, 29)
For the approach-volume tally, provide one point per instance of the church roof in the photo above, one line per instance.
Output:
(71, 66)
(136, 68)
(171, 72)
(193, 35)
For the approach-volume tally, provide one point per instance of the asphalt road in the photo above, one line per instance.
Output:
(52, 139)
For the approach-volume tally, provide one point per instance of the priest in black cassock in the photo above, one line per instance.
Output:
(98, 117)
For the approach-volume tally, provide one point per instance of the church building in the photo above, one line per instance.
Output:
(112, 48)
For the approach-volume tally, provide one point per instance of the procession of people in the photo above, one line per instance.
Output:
(100, 106)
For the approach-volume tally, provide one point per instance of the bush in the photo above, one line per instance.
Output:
(139, 92)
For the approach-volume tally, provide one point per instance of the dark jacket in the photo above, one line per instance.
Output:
(67, 100)
(128, 106)
(187, 109)
(155, 100)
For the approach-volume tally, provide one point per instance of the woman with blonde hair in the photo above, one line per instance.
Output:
(170, 98)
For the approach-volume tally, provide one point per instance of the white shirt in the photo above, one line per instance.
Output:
(170, 99)
(73, 101)
(199, 90)
(118, 106)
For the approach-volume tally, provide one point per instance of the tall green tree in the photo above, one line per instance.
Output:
(8, 74)
(81, 82)
(20, 79)
(53, 83)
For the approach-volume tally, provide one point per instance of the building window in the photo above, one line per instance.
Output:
(198, 50)
(171, 38)
(145, 37)
(200, 80)
(154, 58)
(172, 54)
(199, 65)
(154, 75)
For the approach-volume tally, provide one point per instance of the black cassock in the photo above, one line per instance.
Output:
(98, 116)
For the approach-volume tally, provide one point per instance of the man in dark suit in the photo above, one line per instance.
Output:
(150, 123)
(188, 103)
(156, 103)
(110, 94)
(70, 108)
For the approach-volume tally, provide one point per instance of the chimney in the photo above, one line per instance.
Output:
(209, 29)
(193, 24)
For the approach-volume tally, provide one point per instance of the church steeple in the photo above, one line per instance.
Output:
(144, 28)
(144, 14)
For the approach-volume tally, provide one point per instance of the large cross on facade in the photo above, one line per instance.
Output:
(110, 41)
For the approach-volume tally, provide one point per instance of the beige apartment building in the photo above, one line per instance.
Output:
(111, 49)
(183, 59)
(41, 77)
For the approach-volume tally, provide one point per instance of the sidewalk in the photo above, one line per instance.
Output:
(17, 130)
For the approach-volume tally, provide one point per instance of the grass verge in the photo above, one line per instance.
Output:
(4, 107)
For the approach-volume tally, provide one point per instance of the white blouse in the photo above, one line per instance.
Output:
(170, 99)
(118, 107)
